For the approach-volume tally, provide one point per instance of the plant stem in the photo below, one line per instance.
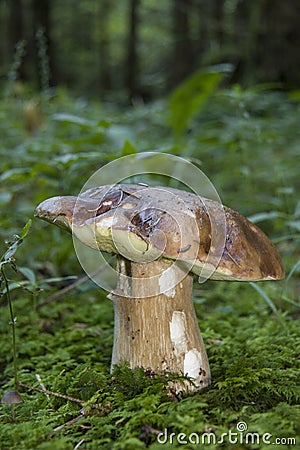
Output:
(13, 324)
(13, 413)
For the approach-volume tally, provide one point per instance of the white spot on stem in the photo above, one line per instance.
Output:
(167, 283)
(192, 363)
(178, 332)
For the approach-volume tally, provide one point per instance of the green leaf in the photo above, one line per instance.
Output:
(294, 224)
(16, 285)
(265, 297)
(292, 271)
(260, 217)
(128, 148)
(297, 210)
(58, 279)
(26, 229)
(71, 118)
(5, 197)
(29, 274)
(190, 96)
(10, 251)
(13, 174)
(16, 243)
(294, 95)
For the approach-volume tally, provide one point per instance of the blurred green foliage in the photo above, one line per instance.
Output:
(247, 142)
(189, 97)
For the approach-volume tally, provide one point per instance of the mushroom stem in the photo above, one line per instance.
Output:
(13, 417)
(158, 332)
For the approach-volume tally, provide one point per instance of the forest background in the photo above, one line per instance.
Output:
(144, 48)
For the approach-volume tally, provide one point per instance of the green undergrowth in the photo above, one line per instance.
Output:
(248, 143)
(254, 357)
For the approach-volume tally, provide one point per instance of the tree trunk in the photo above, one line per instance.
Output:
(217, 22)
(104, 45)
(15, 31)
(277, 53)
(43, 44)
(132, 56)
(182, 64)
(159, 332)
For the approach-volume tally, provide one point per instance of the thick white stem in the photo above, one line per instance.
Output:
(158, 332)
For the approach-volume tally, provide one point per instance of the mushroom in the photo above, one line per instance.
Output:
(11, 398)
(162, 236)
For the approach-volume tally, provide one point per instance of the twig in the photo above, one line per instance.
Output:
(79, 443)
(54, 394)
(57, 295)
(70, 422)
(65, 397)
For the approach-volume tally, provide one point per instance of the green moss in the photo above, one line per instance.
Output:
(255, 368)
(253, 347)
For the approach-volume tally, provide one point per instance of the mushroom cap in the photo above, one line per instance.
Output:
(144, 223)
(11, 398)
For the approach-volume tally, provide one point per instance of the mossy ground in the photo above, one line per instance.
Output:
(254, 357)
(248, 144)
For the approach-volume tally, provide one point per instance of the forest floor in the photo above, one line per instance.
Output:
(248, 143)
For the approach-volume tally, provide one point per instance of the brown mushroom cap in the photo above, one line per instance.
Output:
(145, 223)
(11, 398)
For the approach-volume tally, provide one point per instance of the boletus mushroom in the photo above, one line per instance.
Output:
(162, 236)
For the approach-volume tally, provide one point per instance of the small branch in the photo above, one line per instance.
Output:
(79, 443)
(70, 422)
(65, 397)
(57, 295)
(54, 394)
